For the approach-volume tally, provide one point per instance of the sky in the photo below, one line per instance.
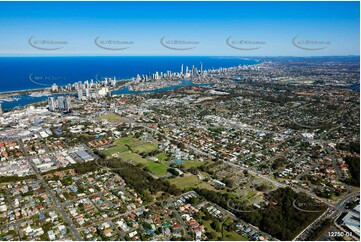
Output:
(179, 28)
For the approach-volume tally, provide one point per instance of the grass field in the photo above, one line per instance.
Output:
(249, 196)
(112, 117)
(143, 147)
(156, 168)
(137, 146)
(162, 157)
(114, 150)
(133, 157)
(190, 181)
(192, 163)
(129, 148)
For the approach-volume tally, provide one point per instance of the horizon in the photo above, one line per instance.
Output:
(228, 56)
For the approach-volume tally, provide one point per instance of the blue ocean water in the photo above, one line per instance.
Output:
(16, 72)
(27, 73)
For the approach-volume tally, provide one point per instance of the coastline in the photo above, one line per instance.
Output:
(24, 99)
(108, 66)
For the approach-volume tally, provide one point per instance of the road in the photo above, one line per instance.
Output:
(330, 213)
(250, 171)
(58, 206)
(336, 207)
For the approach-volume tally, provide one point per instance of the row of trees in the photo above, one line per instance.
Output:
(353, 163)
(141, 181)
(280, 218)
(352, 147)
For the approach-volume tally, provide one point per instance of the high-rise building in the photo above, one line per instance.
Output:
(80, 94)
(114, 81)
(87, 92)
(51, 103)
(60, 103)
(138, 77)
(181, 69)
(67, 104)
(103, 91)
(201, 68)
(1, 108)
(54, 88)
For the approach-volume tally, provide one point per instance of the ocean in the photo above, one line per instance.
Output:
(28, 73)
(24, 73)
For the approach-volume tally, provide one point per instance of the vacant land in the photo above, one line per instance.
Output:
(189, 181)
(112, 117)
(192, 163)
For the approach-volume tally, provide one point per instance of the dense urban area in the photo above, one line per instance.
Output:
(259, 152)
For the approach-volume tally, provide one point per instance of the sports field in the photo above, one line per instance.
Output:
(129, 148)
(126, 144)
(112, 117)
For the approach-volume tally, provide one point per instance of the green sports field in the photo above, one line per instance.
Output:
(129, 148)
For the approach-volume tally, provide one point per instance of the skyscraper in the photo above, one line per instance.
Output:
(80, 94)
(51, 103)
(60, 102)
(182, 69)
(54, 87)
(67, 104)
(87, 92)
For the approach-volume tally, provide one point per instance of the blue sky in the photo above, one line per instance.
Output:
(256, 28)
